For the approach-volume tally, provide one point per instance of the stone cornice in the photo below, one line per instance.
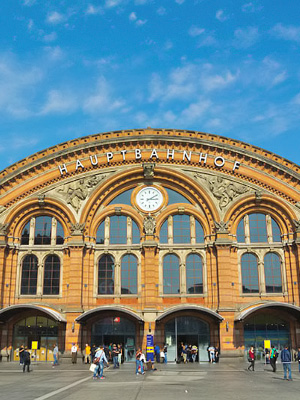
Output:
(92, 142)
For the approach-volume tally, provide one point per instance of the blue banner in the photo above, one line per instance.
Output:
(150, 348)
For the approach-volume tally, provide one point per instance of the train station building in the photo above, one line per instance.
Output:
(185, 235)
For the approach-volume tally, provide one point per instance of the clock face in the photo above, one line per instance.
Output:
(149, 198)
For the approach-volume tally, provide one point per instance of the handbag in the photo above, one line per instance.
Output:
(93, 367)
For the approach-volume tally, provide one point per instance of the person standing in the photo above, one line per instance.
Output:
(273, 358)
(115, 353)
(55, 355)
(87, 354)
(166, 353)
(211, 351)
(298, 357)
(251, 358)
(286, 360)
(21, 354)
(157, 353)
(74, 353)
(26, 359)
(120, 354)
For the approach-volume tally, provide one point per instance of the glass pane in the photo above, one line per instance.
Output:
(249, 273)
(29, 275)
(118, 229)
(181, 229)
(273, 273)
(276, 232)
(135, 233)
(59, 233)
(25, 234)
(100, 234)
(258, 228)
(199, 232)
(123, 198)
(51, 275)
(129, 274)
(194, 276)
(163, 237)
(240, 232)
(171, 274)
(175, 197)
(42, 230)
(106, 268)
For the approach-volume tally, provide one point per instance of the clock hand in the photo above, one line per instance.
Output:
(152, 198)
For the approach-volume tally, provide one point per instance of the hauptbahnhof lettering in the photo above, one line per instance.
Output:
(189, 236)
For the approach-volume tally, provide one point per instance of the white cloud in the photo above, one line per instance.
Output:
(207, 41)
(102, 100)
(221, 16)
(54, 53)
(179, 1)
(245, 38)
(195, 31)
(161, 11)
(216, 82)
(286, 32)
(55, 18)
(251, 7)
(29, 3)
(59, 102)
(168, 45)
(112, 3)
(94, 10)
(30, 25)
(132, 16)
(141, 22)
(195, 110)
(51, 37)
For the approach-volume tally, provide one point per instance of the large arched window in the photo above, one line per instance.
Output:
(256, 228)
(194, 274)
(29, 274)
(106, 275)
(249, 273)
(129, 274)
(181, 229)
(273, 278)
(171, 281)
(47, 230)
(119, 231)
(42, 234)
(51, 275)
(25, 234)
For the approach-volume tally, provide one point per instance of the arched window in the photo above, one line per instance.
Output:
(249, 273)
(276, 231)
(42, 234)
(129, 274)
(51, 275)
(199, 232)
(273, 273)
(29, 274)
(257, 226)
(240, 232)
(100, 234)
(181, 229)
(171, 279)
(118, 229)
(194, 274)
(106, 274)
(163, 237)
(59, 233)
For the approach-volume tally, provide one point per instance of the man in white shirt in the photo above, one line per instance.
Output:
(55, 354)
(74, 353)
(100, 358)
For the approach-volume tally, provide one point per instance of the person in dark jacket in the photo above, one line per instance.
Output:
(26, 359)
(273, 358)
(286, 360)
(298, 357)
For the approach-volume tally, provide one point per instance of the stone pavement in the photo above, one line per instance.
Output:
(227, 380)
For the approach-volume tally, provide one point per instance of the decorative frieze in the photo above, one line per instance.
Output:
(149, 225)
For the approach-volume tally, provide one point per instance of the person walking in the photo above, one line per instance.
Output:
(273, 357)
(74, 353)
(251, 358)
(298, 357)
(26, 359)
(157, 353)
(87, 355)
(286, 360)
(55, 355)
(139, 362)
(115, 354)
(21, 354)
(166, 353)
(120, 354)
(100, 359)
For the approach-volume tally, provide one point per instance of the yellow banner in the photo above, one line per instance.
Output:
(34, 345)
(267, 344)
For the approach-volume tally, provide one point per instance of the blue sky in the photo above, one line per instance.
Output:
(73, 68)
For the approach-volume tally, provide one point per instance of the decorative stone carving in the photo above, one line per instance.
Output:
(76, 192)
(297, 225)
(221, 227)
(297, 205)
(77, 229)
(223, 189)
(3, 229)
(2, 209)
(149, 225)
(41, 198)
(148, 170)
(258, 195)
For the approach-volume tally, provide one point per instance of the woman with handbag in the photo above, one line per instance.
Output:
(251, 358)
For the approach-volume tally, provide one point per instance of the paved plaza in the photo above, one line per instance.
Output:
(227, 380)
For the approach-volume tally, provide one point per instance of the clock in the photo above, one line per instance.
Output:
(149, 198)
